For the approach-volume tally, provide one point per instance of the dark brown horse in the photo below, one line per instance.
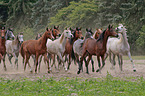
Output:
(77, 33)
(2, 46)
(36, 47)
(96, 47)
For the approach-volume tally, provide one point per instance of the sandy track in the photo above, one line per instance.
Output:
(12, 73)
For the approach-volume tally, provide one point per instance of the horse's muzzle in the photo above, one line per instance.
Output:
(117, 35)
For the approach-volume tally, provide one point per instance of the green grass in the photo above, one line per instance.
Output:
(134, 57)
(108, 86)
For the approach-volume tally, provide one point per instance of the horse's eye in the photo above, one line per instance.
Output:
(66, 32)
(48, 33)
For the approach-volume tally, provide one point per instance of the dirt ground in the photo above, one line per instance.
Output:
(13, 73)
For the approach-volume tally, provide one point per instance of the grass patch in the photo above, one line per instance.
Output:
(134, 57)
(73, 86)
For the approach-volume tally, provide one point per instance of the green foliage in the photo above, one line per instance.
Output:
(28, 33)
(141, 40)
(80, 13)
(70, 86)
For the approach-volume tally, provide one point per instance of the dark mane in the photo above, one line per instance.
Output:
(71, 40)
(101, 37)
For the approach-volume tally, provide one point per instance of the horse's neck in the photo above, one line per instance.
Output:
(2, 41)
(63, 40)
(42, 41)
(123, 40)
(104, 44)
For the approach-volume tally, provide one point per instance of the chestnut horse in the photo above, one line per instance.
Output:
(96, 47)
(77, 33)
(2, 46)
(56, 32)
(36, 47)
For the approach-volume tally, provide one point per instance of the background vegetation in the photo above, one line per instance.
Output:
(32, 16)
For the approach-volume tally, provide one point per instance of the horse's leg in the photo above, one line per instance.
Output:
(99, 64)
(103, 63)
(33, 59)
(92, 65)
(49, 67)
(81, 62)
(129, 55)
(16, 58)
(60, 57)
(40, 62)
(53, 56)
(106, 55)
(26, 60)
(4, 62)
(112, 60)
(10, 57)
(36, 62)
(119, 62)
(69, 62)
(88, 60)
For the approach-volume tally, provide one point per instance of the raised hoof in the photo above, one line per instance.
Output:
(78, 72)
(134, 70)
(97, 70)
(48, 71)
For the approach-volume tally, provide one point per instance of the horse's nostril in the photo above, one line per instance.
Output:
(59, 35)
(82, 37)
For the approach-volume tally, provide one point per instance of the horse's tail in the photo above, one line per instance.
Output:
(21, 50)
(73, 55)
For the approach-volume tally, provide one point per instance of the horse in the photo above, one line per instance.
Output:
(56, 32)
(77, 33)
(2, 46)
(57, 46)
(97, 33)
(12, 48)
(9, 34)
(96, 47)
(37, 48)
(119, 46)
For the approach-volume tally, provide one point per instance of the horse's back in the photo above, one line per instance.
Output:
(77, 46)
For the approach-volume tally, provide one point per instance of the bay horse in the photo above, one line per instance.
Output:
(37, 48)
(119, 46)
(77, 34)
(12, 48)
(2, 46)
(57, 46)
(96, 47)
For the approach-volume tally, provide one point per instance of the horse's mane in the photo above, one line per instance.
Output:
(61, 37)
(101, 37)
(71, 40)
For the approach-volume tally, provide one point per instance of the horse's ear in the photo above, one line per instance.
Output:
(96, 28)
(65, 28)
(57, 26)
(101, 28)
(87, 29)
(54, 27)
(109, 26)
(46, 29)
(70, 28)
(76, 28)
(80, 28)
(112, 26)
(50, 29)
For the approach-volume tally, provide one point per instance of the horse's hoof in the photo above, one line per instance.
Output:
(48, 71)
(78, 72)
(97, 70)
(87, 72)
(134, 70)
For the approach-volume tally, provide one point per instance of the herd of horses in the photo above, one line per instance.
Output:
(70, 43)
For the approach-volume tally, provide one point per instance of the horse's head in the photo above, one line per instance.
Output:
(111, 32)
(56, 32)
(97, 33)
(78, 33)
(20, 37)
(38, 36)
(120, 28)
(89, 33)
(3, 32)
(67, 33)
(9, 34)
(48, 33)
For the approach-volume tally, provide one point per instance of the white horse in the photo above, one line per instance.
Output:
(12, 48)
(119, 46)
(58, 46)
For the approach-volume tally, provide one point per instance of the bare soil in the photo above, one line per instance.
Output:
(13, 73)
